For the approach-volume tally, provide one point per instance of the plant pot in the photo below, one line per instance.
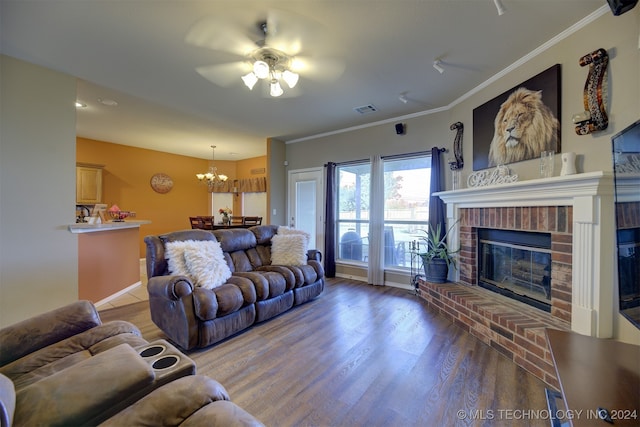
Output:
(436, 270)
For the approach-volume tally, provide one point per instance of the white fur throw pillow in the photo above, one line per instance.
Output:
(203, 261)
(285, 231)
(289, 249)
(174, 254)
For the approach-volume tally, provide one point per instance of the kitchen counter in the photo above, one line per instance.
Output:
(108, 258)
(106, 226)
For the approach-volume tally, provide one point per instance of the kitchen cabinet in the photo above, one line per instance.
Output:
(88, 183)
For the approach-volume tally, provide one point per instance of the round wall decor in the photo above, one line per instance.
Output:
(161, 183)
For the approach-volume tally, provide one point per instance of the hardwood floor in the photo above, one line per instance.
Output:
(362, 355)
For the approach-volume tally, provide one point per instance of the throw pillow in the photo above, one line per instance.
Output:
(283, 230)
(174, 254)
(289, 249)
(206, 265)
(200, 260)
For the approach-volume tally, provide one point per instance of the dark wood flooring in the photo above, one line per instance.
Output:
(364, 356)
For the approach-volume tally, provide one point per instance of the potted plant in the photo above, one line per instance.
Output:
(438, 258)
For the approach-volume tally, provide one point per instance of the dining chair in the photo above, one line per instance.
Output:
(237, 220)
(252, 220)
(196, 222)
(207, 222)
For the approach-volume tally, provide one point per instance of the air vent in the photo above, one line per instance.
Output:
(366, 109)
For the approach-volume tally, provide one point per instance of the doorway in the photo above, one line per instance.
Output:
(305, 207)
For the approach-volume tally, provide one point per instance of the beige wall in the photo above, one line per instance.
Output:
(276, 182)
(38, 255)
(618, 35)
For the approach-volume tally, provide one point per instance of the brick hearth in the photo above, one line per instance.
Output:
(513, 328)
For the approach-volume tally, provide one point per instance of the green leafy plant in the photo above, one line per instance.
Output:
(437, 247)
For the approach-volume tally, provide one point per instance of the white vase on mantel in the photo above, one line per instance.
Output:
(568, 164)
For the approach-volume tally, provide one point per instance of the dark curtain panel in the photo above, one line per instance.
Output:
(437, 212)
(330, 219)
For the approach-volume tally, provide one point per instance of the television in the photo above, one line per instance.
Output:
(626, 169)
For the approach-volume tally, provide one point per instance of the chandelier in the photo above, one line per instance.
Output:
(272, 66)
(211, 177)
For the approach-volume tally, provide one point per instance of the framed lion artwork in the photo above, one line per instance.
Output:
(519, 124)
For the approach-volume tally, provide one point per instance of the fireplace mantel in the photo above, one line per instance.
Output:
(593, 255)
(556, 191)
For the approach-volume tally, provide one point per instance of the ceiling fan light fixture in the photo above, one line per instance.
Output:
(290, 78)
(250, 80)
(261, 69)
(276, 89)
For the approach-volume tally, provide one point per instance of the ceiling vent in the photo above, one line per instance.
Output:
(366, 109)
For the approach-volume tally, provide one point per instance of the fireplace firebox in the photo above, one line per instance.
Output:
(516, 264)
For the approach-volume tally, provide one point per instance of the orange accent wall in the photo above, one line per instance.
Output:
(98, 255)
(126, 182)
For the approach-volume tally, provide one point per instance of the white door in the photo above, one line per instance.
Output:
(306, 207)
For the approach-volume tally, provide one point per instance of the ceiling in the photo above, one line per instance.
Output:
(134, 52)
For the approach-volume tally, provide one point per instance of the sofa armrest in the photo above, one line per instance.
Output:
(172, 306)
(86, 392)
(169, 287)
(314, 254)
(45, 329)
(171, 404)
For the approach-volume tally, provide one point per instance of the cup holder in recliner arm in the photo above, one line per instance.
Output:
(154, 350)
(165, 362)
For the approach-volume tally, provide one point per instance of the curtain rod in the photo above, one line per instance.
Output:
(392, 156)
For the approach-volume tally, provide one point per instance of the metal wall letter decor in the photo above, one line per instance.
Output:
(594, 118)
(457, 146)
(483, 178)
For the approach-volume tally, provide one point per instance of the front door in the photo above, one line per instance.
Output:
(306, 208)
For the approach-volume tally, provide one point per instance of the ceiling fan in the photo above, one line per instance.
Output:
(270, 51)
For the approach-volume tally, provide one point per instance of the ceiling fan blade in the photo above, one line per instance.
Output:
(319, 69)
(292, 33)
(212, 33)
(225, 74)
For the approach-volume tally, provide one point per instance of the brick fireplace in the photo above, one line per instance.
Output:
(555, 220)
(578, 212)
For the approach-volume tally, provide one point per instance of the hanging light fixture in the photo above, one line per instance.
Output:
(211, 177)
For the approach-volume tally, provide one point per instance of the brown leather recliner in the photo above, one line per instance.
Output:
(195, 317)
(66, 367)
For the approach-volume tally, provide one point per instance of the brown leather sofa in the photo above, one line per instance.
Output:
(195, 317)
(65, 367)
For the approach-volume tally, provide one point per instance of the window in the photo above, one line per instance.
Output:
(406, 208)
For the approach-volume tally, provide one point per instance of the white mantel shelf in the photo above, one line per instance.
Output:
(107, 226)
(591, 195)
(556, 191)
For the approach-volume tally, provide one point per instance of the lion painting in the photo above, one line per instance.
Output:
(524, 127)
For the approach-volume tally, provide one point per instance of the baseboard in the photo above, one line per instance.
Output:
(366, 280)
(117, 294)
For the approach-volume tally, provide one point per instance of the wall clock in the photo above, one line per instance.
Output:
(161, 183)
